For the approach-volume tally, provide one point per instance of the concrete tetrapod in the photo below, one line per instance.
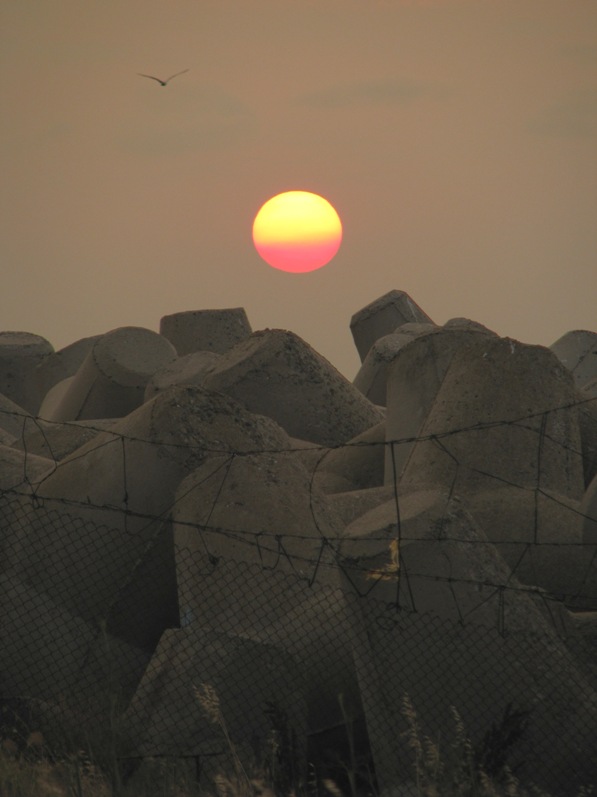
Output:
(114, 494)
(256, 686)
(255, 550)
(111, 381)
(187, 370)
(577, 350)
(440, 620)
(205, 330)
(414, 377)
(59, 365)
(505, 419)
(372, 376)
(20, 354)
(382, 317)
(275, 373)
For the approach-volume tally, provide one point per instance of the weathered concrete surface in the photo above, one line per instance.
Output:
(20, 475)
(504, 414)
(461, 595)
(577, 350)
(51, 655)
(414, 379)
(587, 420)
(467, 323)
(19, 470)
(58, 365)
(371, 379)
(382, 317)
(275, 373)
(187, 370)
(12, 416)
(255, 549)
(114, 494)
(355, 503)
(111, 381)
(504, 420)
(20, 353)
(205, 330)
(588, 510)
(249, 678)
(55, 441)
(358, 465)
(53, 398)
(240, 508)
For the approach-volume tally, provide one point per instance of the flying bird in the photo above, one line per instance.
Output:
(163, 82)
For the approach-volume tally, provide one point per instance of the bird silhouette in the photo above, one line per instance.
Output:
(163, 82)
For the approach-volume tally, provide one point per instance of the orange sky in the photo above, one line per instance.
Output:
(456, 139)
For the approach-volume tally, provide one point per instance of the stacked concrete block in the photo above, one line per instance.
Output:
(20, 354)
(111, 381)
(215, 506)
(382, 317)
(275, 373)
(205, 330)
(115, 493)
(577, 350)
(189, 369)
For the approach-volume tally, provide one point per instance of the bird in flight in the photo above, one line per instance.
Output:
(163, 82)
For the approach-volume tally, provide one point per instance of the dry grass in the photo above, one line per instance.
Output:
(29, 767)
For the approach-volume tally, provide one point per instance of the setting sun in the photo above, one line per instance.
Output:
(297, 231)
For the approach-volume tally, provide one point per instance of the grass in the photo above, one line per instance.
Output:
(32, 767)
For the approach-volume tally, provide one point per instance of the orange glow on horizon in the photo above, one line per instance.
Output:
(297, 231)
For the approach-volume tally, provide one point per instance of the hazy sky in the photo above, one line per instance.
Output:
(457, 139)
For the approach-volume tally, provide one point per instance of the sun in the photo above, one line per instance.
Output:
(297, 231)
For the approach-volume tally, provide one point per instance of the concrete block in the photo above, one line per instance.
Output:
(434, 600)
(413, 380)
(443, 665)
(587, 420)
(382, 317)
(20, 470)
(49, 654)
(355, 503)
(256, 499)
(115, 493)
(249, 679)
(255, 550)
(467, 323)
(588, 511)
(577, 350)
(111, 381)
(59, 365)
(205, 330)
(20, 354)
(187, 370)
(275, 373)
(372, 376)
(55, 441)
(12, 416)
(503, 414)
(51, 402)
(358, 465)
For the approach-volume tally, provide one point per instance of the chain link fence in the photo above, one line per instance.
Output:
(303, 659)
